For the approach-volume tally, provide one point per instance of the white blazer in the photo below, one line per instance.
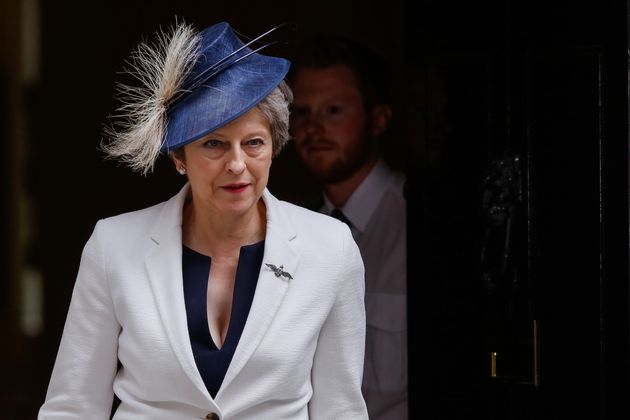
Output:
(300, 355)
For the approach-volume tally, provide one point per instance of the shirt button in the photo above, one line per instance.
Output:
(212, 416)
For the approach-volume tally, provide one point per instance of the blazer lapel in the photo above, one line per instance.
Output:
(271, 288)
(164, 267)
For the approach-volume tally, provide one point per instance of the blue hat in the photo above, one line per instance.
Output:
(192, 83)
(228, 79)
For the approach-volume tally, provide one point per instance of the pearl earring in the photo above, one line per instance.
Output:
(181, 170)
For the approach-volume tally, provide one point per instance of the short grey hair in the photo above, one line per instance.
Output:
(275, 109)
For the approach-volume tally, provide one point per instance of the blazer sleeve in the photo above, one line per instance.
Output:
(338, 362)
(82, 379)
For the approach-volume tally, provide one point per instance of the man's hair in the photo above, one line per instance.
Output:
(324, 50)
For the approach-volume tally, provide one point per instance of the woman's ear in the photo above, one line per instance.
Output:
(381, 115)
(177, 162)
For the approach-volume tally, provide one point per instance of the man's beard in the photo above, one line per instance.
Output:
(346, 164)
(342, 169)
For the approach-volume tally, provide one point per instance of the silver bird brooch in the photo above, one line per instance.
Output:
(279, 271)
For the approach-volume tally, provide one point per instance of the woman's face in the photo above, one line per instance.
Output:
(228, 169)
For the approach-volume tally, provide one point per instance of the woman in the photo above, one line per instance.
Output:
(222, 302)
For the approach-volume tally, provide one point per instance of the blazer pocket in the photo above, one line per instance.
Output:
(385, 367)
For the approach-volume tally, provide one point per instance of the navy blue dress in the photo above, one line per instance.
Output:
(211, 361)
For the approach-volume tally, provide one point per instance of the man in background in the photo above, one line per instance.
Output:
(340, 111)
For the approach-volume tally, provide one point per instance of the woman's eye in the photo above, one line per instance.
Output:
(213, 144)
(255, 142)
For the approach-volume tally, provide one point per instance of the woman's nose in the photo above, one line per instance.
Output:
(236, 161)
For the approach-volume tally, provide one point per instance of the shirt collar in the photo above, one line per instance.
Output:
(363, 201)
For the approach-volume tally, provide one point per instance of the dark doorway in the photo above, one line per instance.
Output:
(519, 203)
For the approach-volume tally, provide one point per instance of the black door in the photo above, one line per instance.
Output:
(518, 198)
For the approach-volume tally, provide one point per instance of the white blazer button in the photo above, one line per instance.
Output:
(212, 416)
